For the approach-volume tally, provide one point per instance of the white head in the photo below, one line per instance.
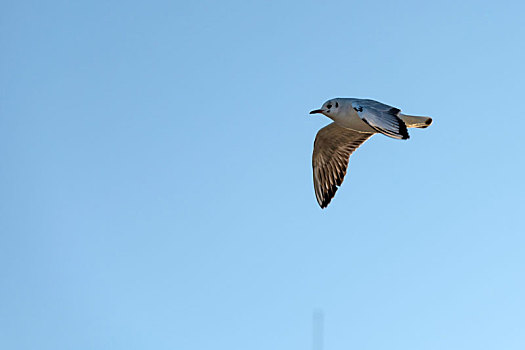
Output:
(330, 108)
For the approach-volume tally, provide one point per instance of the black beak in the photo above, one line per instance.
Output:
(315, 111)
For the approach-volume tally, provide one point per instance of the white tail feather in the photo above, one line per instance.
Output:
(413, 121)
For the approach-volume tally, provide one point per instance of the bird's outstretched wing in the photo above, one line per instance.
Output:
(382, 118)
(332, 149)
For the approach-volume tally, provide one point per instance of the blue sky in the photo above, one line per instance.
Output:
(157, 188)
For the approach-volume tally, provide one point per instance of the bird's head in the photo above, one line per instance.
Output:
(329, 108)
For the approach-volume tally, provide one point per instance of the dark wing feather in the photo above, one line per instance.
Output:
(382, 118)
(332, 149)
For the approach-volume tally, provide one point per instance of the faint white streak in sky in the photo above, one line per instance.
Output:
(317, 330)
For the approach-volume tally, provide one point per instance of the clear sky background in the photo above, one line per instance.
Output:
(156, 187)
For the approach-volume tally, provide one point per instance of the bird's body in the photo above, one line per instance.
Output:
(355, 121)
(348, 117)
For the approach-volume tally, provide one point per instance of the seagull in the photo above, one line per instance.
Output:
(355, 121)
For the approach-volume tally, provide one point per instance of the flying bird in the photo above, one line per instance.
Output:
(355, 121)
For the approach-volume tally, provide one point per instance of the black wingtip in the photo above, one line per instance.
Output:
(328, 196)
(394, 111)
(403, 131)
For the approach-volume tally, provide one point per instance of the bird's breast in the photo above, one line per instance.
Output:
(351, 120)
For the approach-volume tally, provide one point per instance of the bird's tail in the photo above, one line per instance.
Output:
(413, 121)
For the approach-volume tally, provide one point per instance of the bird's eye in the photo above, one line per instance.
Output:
(336, 105)
(329, 106)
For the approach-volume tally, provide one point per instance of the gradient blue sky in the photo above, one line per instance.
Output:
(156, 176)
